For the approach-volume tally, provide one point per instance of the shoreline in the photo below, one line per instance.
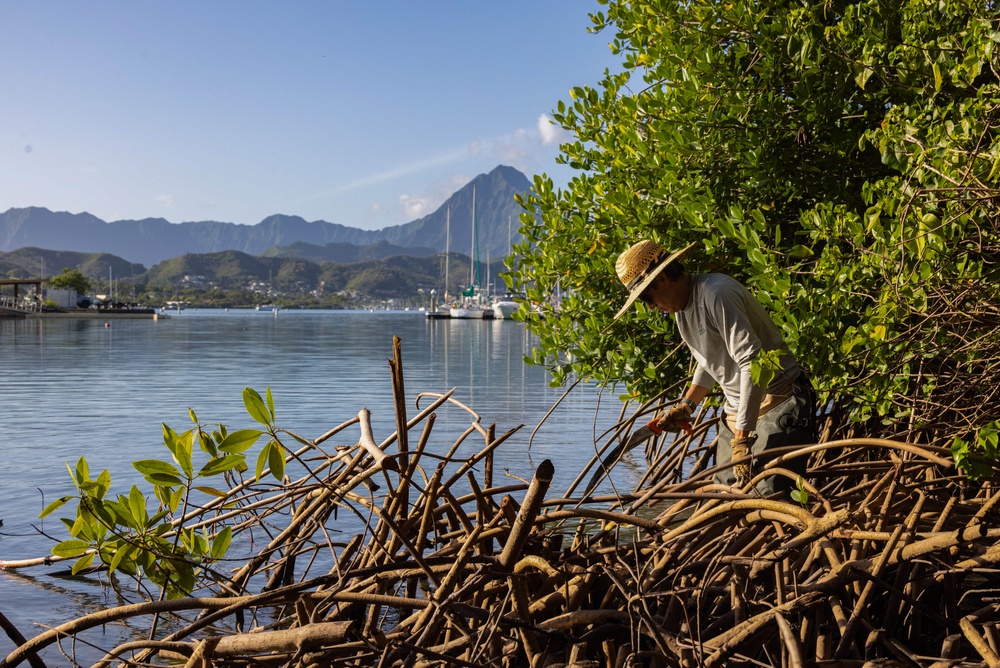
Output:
(84, 314)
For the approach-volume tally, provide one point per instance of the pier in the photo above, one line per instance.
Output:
(30, 306)
(15, 306)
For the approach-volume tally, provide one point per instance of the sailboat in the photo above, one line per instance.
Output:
(470, 308)
(504, 306)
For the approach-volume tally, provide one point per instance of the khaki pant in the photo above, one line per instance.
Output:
(792, 422)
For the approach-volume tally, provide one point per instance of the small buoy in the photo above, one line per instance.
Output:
(107, 324)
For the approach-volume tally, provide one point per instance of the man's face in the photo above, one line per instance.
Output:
(667, 296)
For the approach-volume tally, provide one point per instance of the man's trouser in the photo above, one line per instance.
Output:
(792, 422)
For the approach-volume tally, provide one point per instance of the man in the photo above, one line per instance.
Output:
(725, 328)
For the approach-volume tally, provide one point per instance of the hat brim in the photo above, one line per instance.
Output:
(657, 270)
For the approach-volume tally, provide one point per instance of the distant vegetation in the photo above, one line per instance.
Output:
(233, 279)
(71, 279)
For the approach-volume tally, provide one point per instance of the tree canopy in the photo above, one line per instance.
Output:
(840, 158)
(73, 279)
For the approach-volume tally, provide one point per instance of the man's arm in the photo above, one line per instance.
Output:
(695, 393)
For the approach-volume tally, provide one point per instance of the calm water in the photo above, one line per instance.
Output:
(76, 387)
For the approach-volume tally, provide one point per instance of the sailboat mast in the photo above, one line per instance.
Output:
(447, 245)
(472, 261)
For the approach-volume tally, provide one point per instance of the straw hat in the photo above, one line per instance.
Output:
(639, 266)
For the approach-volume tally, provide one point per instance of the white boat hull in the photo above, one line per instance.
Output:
(505, 310)
(467, 312)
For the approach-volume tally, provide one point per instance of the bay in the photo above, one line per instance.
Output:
(76, 388)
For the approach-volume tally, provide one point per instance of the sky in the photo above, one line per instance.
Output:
(366, 113)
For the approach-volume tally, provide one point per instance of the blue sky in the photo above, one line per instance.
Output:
(366, 113)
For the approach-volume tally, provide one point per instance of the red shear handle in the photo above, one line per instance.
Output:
(657, 429)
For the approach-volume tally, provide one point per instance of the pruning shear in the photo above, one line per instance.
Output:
(656, 430)
(638, 436)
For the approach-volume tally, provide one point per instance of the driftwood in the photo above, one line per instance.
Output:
(892, 560)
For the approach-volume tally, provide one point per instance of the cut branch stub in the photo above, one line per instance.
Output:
(533, 499)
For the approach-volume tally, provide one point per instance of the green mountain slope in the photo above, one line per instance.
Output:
(30, 262)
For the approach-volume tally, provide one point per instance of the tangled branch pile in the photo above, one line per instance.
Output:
(891, 558)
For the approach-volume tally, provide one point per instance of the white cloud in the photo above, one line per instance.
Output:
(414, 206)
(549, 132)
(165, 200)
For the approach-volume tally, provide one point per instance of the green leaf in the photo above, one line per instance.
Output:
(799, 251)
(119, 554)
(82, 471)
(211, 491)
(184, 453)
(262, 458)
(83, 563)
(220, 465)
(70, 548)
(175, 500)
(276, 460)
(862, 75)
(270, 402)
(103, 484)
(995, 169)
(158, 516)
(220, 545)
(163, 493)
(255, 406)
(170, 439)
(206, 444)
(83, 526)
(150, 466)
(54, 506)
(236, 442)
(137, 505)
(726, 227)
(163, 479)
(760, 374)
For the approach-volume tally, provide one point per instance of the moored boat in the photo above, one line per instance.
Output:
(471, 307)
(467, 311)
(504, 307)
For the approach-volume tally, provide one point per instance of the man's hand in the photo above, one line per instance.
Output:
(741, 447)
(674, 419)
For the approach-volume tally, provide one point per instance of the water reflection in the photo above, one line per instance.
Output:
(74, 387)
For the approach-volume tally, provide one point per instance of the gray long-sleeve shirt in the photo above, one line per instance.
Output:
(725, 327)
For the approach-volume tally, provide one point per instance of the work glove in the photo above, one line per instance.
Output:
(741, 448)
(674, 419)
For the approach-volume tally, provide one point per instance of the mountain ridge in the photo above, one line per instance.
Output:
(151, 240)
